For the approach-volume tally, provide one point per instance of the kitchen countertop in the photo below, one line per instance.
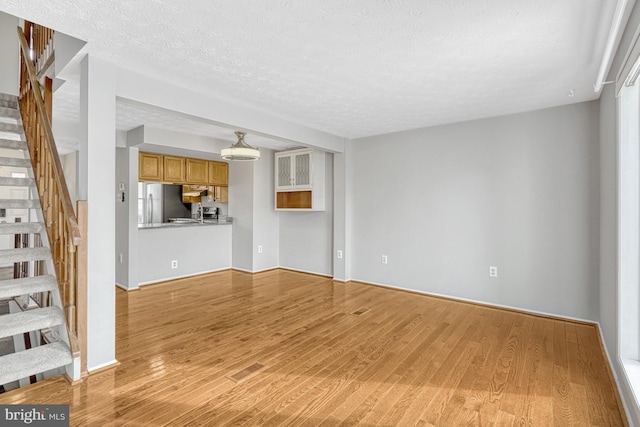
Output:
(206, 222)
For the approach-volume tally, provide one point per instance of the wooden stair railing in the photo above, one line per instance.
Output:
(60, 219)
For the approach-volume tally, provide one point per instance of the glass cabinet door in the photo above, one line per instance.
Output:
(284, 172)
(302, 164)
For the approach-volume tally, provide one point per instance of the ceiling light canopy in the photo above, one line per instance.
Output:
(240, 150)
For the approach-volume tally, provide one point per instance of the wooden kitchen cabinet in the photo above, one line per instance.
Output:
(187, 171)
(218, 173)
(197, 171)
(220, 193)
(150, 167)
(174, 169)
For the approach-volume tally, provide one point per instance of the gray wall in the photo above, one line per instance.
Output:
(306, 238)
(198, 249)
(127, 218)
(241, 209)
(266, 225)
(9, 66)
(252, 206)
(519, 192)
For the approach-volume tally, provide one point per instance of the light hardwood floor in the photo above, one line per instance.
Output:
(408, 360)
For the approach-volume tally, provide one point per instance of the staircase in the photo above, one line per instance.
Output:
(44, 322)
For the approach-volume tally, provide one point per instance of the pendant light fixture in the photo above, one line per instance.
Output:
(240, 150)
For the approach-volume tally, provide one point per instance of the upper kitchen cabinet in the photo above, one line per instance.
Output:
(174, 169)
(293, 170)
(219, 194)
(150, 167)
(218, 173)
(299, 180)
(197, 171)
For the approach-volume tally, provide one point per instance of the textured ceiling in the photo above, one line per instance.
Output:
(351, 68)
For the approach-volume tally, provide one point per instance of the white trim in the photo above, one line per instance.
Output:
(244, 270)
(631, 369)
(629, 59)
(124, 287)
(488, 304)
(614, 32)
(614, 372)
(328, 276)
(180, 277)
(103, 365)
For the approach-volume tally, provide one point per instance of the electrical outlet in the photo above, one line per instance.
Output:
(174, 263)
(384, 259)
(339, 254)
(259, 249)
(493, 271)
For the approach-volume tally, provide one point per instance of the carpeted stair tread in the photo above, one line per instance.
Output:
(17, 182)
(26, 285)
(30, 320)
(29, 362)
(13, 161)
(9, 112)
(13, 144)
(21, 227)
(19, 203)
(7, 97)
(8, 256)
(9, 104)
(10, 127)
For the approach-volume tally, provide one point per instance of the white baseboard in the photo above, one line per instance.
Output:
(487, 304)
(282, 268)
(628, 408)
(166, 279)
(102, 366)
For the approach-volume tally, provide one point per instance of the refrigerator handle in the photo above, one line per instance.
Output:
(149, 208)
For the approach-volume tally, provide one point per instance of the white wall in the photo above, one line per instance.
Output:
(306, 238)
(9, 66)
(518, 192)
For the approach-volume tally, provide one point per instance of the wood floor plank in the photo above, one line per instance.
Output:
(333, 354)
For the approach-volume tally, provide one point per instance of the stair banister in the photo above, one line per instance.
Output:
(69, 213)
(60, 218)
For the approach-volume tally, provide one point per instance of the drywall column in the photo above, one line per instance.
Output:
(96, 184)
(241, 209)
(9, 67)
(127, 218)
(266, 221)
(251, 204)
(342, 214)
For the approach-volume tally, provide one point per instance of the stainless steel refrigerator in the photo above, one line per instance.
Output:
(149, 203)
(159, 202)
